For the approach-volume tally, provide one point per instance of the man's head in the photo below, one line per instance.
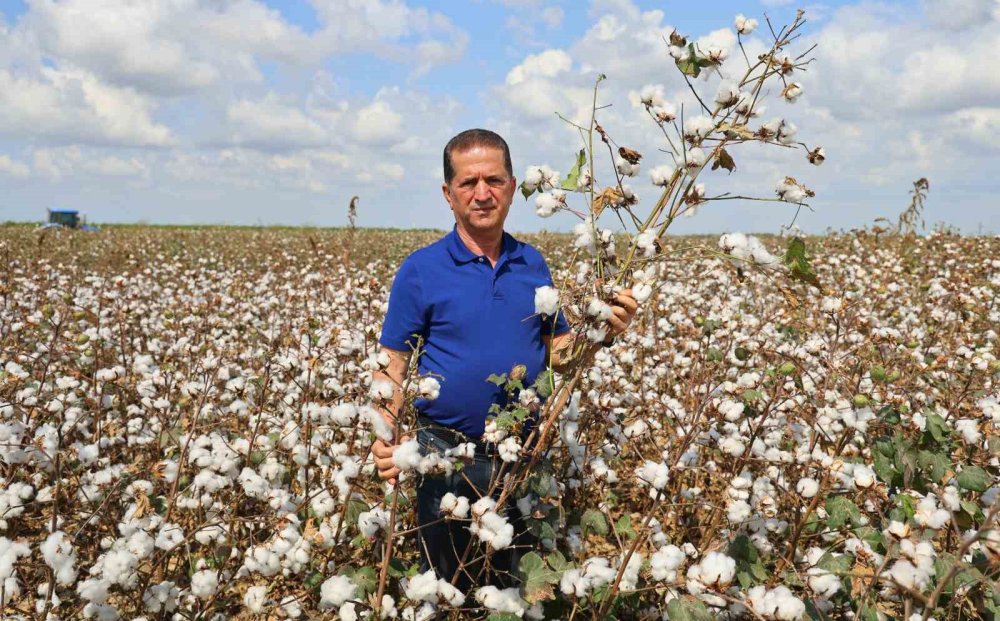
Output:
(479, 181)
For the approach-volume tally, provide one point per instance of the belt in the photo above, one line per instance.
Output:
(453, 436)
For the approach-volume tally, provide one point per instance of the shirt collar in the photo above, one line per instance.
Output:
(460, 253)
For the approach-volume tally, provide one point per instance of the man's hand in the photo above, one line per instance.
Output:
(623, 310)
(387, 471)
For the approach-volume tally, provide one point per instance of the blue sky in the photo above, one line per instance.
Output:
(253, 111)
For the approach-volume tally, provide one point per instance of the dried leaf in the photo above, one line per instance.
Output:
(734, 132)
(724, 160)
(860, 579)
(629, 155)
(678, 39)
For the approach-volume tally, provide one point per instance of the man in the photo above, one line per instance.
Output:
(468, 301)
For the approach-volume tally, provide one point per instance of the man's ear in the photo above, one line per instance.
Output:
(447, 194)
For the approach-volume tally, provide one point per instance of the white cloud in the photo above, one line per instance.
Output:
(959, 14)
(13, 168)
(382, 26)
(548, 64)
(378, 124)
(552, 16)
(73, 161)
(171, 48)
(70, 105)
(272, 123)
(979, 125)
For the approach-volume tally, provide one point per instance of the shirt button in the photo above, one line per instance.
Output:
(481, 259)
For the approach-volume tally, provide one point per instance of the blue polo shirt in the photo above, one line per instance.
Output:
(474, 319)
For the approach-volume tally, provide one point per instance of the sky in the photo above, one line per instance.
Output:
(279, 111)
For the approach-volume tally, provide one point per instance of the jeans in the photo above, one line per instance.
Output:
(443, 543)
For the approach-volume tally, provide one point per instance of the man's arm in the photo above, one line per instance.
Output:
(559, 349)
(395, 373)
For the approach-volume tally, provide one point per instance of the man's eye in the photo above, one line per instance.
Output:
(497, 182)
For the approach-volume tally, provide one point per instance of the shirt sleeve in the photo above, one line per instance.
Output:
(559, 326)
(406, 316)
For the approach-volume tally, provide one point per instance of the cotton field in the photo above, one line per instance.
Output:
(186, 416)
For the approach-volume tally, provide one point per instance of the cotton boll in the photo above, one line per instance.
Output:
(928, 514)
(792, 92)
(344, 414)
(547, 204)
(698, 127)
(255, 599)
(429, 388)
(162, 596)
(822, 582)
(807, 487)
(422, 587)
(745, 25)
(382, 389)
(599, 310)
(58, 552)
(969, 430)
(455, 506)
(665, 562)
(864, 477)
(651, 95)
(204, 583)
(10, 552)
(505, 600)
(546, 301)
(626, 168)
(169, 536)
(335, 591)
(654, 474)
(717, 569)
(728, 94)
(493, 529)
(509, 449)
(407, 455)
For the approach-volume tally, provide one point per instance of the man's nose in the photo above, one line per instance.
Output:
(482, 190)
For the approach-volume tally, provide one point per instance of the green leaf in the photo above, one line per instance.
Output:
(623, 527)
(366, 579)
(503, 616)
(526, 192)
(937, 428)
(935, 464)
(867, 613)
(798, 263)
(505, 421)
(840, 511)
(594, 521)
(499, 380)
(537, 578)
(574, 174)
(314, 580)
(687, 608)
(355, 508)
(543, 383)
(974, 478)
(838, 565)
(884, 468)
(396, 568)
(694, 63)
(972, 509)
(558, 562)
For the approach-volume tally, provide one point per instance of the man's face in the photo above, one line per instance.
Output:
(481, 191)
